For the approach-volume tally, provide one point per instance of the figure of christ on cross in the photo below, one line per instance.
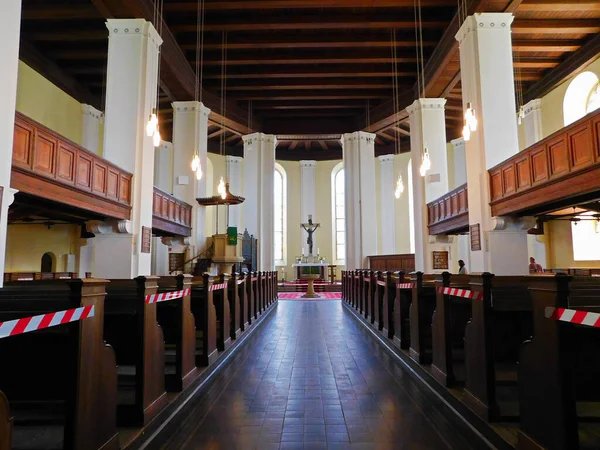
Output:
(310, 228)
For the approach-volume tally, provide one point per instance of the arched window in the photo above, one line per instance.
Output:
(279, 215)
(338, 203)
(47, 262)
(582, 97)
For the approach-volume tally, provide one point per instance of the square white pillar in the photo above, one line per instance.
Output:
(428, 130)
(460, 163)
(387, 218)
(10, 26)
(533, 122)
(234, 165)
(259, 170)
(90, 132)
(359, 190)
(486, 65)
(163, 162)
(131, 90)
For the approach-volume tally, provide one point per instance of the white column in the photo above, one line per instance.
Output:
(131, 82)
(259, 166)
(10, 26)
(388, 203)
(533, 133)
(90, 128)
(86, 254)
(486, 66)
(428, 130)
(460, 163)
(359, 189)
(533, 122)
(160, 257)
(308, 198)
(190, 130)
(234, 178)
(163, 161)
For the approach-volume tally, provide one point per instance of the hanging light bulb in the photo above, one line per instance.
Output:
(156, 137)
(425, 163)
(152, 124)
(470, 118)
(195, 162)
(399, 187)
(199, 173)
(466, 132)
(221, 188)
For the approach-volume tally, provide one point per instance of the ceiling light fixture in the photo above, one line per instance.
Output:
(399, 187)
(196, 163)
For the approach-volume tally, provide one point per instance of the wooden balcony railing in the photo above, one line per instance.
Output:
(564, 165)
(48, 165)
(405, 262)
(449, 213)
(170, 215)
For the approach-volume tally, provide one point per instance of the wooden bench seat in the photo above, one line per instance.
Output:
(67, 368)
(422, 306)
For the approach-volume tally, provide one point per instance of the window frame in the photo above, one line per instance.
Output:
(334, 229)
(281, 171)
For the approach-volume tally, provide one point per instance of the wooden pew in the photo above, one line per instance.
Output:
(374, 306)
(558, 367)
(384, 295)
(241, 302)
(221, 302)
(205, 317)
(250, 314)
(448, 327)
(79, 369)
(344, 287)
(233, 296)
(179, 329)
(6, 423)
(131, 327)
(422, 306)
(402, 296)
(362, 293)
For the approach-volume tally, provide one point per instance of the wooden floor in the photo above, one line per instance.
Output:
(313, 378)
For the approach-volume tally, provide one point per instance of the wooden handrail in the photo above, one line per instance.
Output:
(203, 255)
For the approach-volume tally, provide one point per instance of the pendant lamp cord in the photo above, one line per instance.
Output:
(223, 89)
(199, 49)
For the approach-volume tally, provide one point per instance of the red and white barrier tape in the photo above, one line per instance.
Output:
(590, 319)
(381, 283)
(254, 279)
(404, 285)
(464, 293)
(240, 281)
(357, 276)
(217, 287)
(166, 296)
(368, 280)
(27, 324)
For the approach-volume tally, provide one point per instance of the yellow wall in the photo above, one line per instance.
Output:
(41, 100)
(401, 205)
(561, 247)
(25, 245)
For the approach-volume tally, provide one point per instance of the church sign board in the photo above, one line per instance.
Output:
(475, 237)
(440, 260)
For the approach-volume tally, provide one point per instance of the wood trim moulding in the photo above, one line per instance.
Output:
(563, 165)
(450, 212)
(48, 165)
(171, 215)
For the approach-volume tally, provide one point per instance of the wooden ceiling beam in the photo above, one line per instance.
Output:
(307, 107)
(355, 23)
(575, 63)
(401, 130)
(57, 12)
(219, 5)
(364, 85)
(293, 145)
(298, 60)
(232, 138)
(68, 36)
(323, 145)
(551, 45)
(262, 73)
(535, 63)
(315, 95)
(559, 6)
(295, 43)
(216, 133)
(388, 136)
(556, 26)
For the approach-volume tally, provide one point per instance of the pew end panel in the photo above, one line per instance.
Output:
(6, 423)
(421, 310)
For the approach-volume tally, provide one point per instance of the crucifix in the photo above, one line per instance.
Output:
(310, 228)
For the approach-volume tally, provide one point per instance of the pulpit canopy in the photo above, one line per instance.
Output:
(229, 199)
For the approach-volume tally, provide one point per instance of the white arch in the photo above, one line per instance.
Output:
(576, 98)
(280, 229)
(338, 212)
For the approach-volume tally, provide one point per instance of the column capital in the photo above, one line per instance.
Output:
(487, 21)
(308, 163)
(359, 136)
(459, 142)
(165, 145)
(89, 110)
(386, 158)
(250, 139)
(533, 105)
(233, 159)
(190, 107)
(426, 103)
(132, 27)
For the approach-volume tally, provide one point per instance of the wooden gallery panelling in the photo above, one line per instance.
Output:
(170, 215)
(47, 165)
(393, 262)
(449, 213)
(565, 164)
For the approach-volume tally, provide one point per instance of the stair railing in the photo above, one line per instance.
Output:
(207, 253)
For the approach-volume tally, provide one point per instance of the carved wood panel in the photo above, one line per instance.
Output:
(449, 212)
(44, 153)
(559, 156)
(65, 169)
(523, 173)
(171, 214)
(23, 137)
(582, 151)
(539, 164)
(508, 178)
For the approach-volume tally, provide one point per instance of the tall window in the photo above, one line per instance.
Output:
(586, 239)
(582, 97)
(279, 214)
(339, 213)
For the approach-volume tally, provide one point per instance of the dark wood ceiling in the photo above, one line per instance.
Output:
(308, 68)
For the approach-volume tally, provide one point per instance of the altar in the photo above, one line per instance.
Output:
(310, 272)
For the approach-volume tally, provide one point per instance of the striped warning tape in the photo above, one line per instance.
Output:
(166, 296)
(254, 279)
(464, 293)
(357, 276)
(590, 319)
(368, 280)
(381, 283)
(217, 287)
(27, 324)
(241, 281)
(405, 285)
